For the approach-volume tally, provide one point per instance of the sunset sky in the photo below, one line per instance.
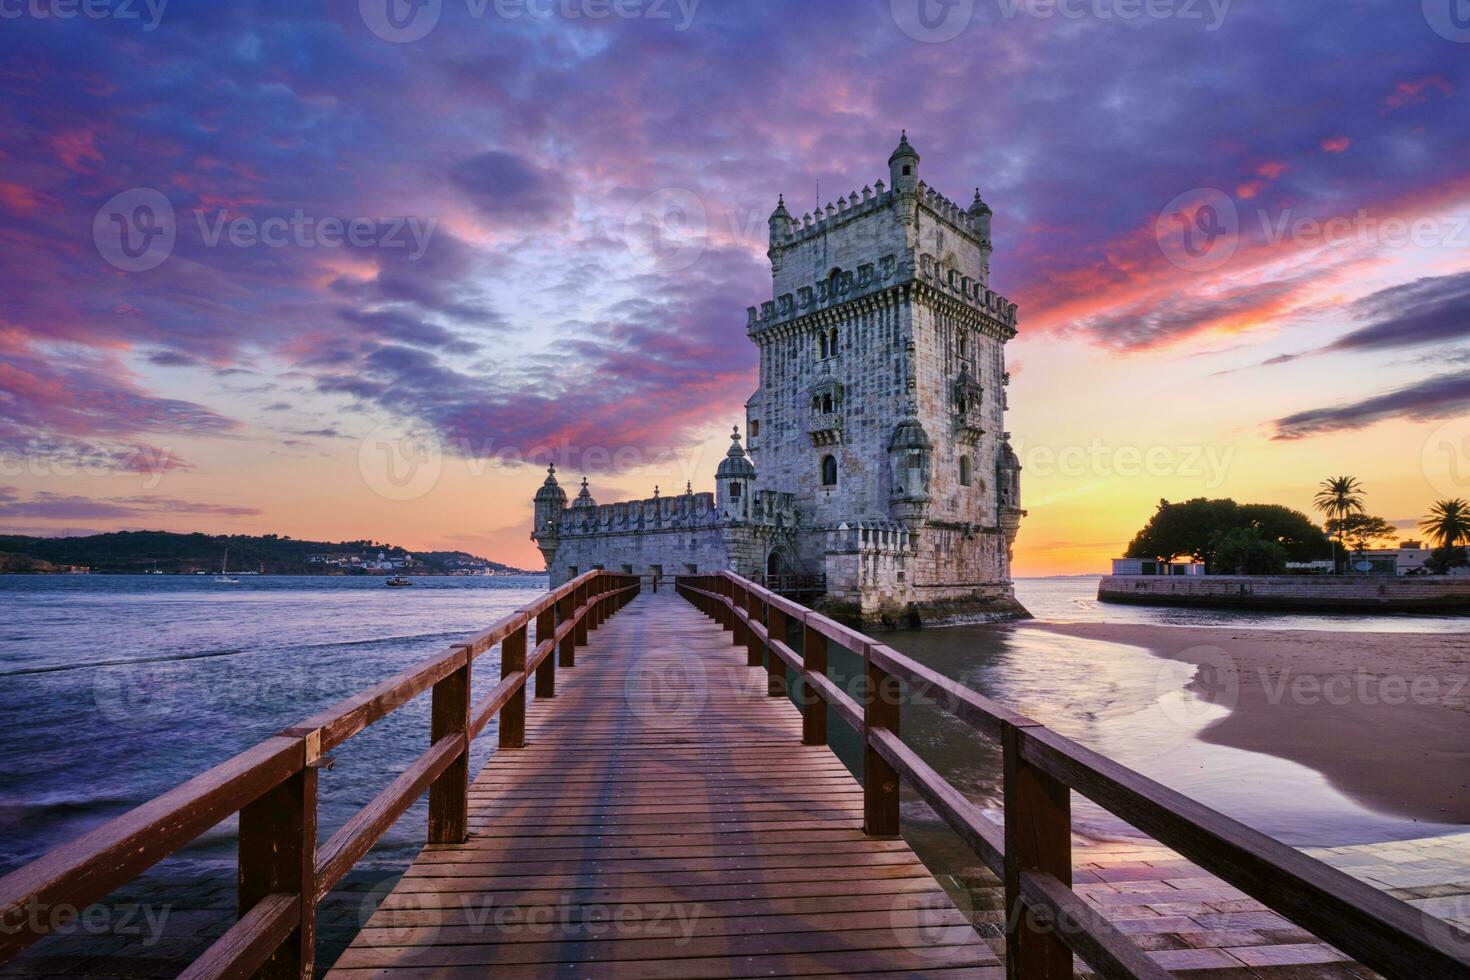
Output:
(1239, 235)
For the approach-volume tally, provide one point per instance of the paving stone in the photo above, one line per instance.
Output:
(1285, 955)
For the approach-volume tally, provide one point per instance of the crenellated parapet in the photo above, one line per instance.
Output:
(873, 537)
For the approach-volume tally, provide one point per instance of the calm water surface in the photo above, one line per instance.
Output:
(114, 689)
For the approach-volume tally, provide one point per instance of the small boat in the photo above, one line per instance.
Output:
(397, 582)
(224, 571)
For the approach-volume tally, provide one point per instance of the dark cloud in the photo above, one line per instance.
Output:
(506, 187)
(1427, 311)
(1437, 398)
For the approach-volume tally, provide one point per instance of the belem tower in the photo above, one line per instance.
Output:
(876, 470)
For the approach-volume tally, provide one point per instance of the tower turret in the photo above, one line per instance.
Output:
(981, 212)
(551, 500)
(903, 166)
(780, 222)
(734, 479)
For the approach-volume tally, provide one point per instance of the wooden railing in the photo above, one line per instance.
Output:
(1047, 922)
(283, 874)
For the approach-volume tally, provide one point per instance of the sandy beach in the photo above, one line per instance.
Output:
(1385, 717)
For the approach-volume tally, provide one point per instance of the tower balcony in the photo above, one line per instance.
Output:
(969, 426)
(825, 428)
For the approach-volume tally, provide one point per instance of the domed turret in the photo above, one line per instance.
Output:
(733, 479)
(584, 499)
(903, 166)
(909, 456)
(780, 222)
(981, 212)
(551, 500)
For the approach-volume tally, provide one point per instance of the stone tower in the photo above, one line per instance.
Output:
(876, 465)
(882, 400)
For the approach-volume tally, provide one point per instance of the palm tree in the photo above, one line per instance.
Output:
(1448, 522)
(1339, 498)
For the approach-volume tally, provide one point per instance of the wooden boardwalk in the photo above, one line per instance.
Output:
(664, 820)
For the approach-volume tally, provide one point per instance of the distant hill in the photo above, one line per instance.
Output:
(142, 551)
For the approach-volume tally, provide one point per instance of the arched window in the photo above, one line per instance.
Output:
(964, 346)
(959, 404)
(822, 343)
(827, 403)
(916, 461)
(966, 474)
(833, 345)
(829, 471)
(735, 490)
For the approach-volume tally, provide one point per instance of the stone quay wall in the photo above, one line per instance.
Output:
(1303, 593)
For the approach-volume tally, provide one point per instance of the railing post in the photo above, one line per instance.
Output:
(567, 654)
(755, 654)
(737, 625)
(513, 715)
(278, 855)
(775, 666)
(449, 799)
(1038, 837)
(546, 670)
(723, 590)
(813, 705)
(880, 779)
(581, 628)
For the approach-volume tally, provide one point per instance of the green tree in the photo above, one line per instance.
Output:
(1246, 551)
(1448, 522)
(1338, 497)
(1441, 560)
(1361, 531)
(1196, 528)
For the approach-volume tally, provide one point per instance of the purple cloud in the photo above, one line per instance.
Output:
(1436, 398)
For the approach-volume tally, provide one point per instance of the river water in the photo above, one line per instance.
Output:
(114, 689)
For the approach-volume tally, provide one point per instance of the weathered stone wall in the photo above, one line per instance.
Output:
(1345, 593)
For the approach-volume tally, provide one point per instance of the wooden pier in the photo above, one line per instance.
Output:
(668, 806)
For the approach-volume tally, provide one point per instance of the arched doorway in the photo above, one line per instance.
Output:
(777, 565)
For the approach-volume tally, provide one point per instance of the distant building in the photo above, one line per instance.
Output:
(1149, 566)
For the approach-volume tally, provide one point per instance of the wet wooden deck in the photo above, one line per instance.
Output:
(664, 820)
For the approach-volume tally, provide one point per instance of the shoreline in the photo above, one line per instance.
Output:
(1384, 717)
